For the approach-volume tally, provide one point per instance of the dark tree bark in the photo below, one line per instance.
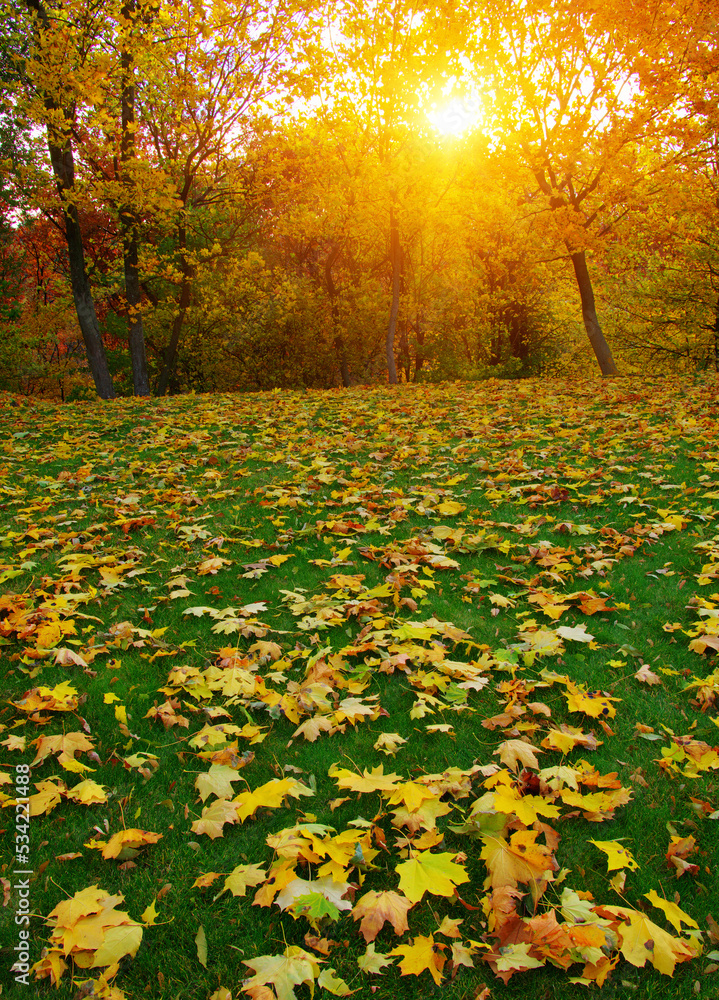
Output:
(517, 322)
(183, 305)
(135, 328)
(338, 342)
(579, 259)
(419, 357)
(404, 353)
(60, 148)
(128, 218)
(396, 262)
(589, 315)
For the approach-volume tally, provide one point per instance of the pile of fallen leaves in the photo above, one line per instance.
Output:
(400, 496)
(89, 931)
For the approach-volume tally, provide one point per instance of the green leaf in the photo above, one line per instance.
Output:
(201, 943)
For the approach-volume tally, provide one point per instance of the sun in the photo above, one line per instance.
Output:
(456, 116)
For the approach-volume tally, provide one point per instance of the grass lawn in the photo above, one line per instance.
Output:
(407, 692)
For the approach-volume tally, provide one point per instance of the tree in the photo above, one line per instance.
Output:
(387, 60)
(565, 103)
(129, 17)
(665, 282)
(54, 102)
(220, 66)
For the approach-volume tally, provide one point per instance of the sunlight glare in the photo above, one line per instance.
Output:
(460, 114)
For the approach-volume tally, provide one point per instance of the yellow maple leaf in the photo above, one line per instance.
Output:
(326, 886)
(557, 740)
(518, 860)
(88, 900)
(243, 876)
(515, 957)
(647, 676)
(527, 808)
(499, 601)
(119, 941)
(88, 792)
(617, 855)
(212, 565)
(595, 704)
(412, 794)
(578, 634)
(205, 880)
(374, 780)
(214, 817)
(111, 576)
(268, 796)
(423, 953)
(372, 962)
(277, 560)
(125, 843)
(283, 972)
(62, 698)
(330, 981)
(513, 752)
(643, 940)
(88, 933)
(149, 914)
(72, 764)
(425, 816)
(281, 873)
(49, 794)
(217, 781)
(51, 965)
(451, 507)
(555, 611)
(597, 805)
(674, 914)
(312, 727)
(49, 633)
(389, 743)
(89, 929)
(66, 746)
(427, 872)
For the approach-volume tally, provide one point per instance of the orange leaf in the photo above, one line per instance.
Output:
(376, 908)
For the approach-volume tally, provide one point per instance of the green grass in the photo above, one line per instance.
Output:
(309, 475)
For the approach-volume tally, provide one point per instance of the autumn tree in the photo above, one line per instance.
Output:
(564, 102)
(664, 283)
(383, 66)
(219, 66)
(132, 14)
(58, 72)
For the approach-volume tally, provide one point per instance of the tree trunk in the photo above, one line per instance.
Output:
(85, 306)
(338, 342)
(63, 167)
(340, 351)
(405, 357)
(394, 253)
(589, 315)
(419, 358)
(135, 329)
(183, 305)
